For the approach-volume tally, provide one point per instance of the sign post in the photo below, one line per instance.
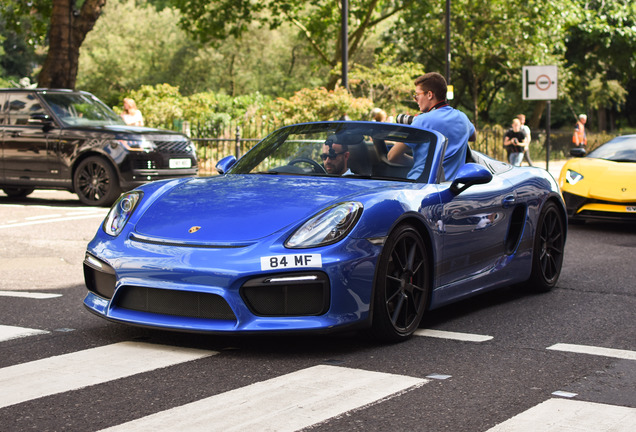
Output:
(540, 83)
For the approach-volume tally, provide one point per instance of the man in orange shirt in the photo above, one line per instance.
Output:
(580, 136)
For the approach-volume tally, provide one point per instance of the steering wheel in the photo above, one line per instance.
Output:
(316, 167)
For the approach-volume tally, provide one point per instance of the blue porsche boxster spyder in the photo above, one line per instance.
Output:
(314, 229)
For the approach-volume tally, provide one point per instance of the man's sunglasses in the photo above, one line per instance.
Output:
(331, 155)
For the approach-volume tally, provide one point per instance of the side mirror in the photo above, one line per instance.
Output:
(469, 175)
(41, 119)
(578, 152)
(225, 164)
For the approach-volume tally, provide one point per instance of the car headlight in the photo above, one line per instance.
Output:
(137, 145)
(121, 211)
(328, 226)
(573, 177)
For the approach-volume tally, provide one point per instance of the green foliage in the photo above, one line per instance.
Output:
(388, 84)
(490, 42)
(317, 105)
(318, 22)
(161, 105)
(133, 45)
(29, 19)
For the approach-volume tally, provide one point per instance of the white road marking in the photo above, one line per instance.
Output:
(54, 219)
(570, 415)
(286, 403)
(31, 218)
(27, 381)
(25, 294)
(599, 351)
(467, 337)
(11, 332)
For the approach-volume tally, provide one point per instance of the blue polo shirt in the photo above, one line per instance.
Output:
(456, 127)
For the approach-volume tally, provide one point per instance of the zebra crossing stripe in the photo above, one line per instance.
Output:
(32, 295)
(27, 381)
(286, 403)
(592, 350)
(10, 332)
(466, 337)
(571, 415)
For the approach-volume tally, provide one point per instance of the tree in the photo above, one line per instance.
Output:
(491, 41)
(319, 23)
(134, 44)
(601, 53)
(64, 24)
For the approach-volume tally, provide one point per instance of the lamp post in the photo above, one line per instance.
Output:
(448, 54)
(345, 43)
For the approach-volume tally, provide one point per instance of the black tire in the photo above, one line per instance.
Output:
(95, 182)
(549, 244)
(18, 192)
(402, 285)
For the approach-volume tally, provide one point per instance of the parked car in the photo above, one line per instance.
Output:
(602, 184)
(70, 140)
(278, 244)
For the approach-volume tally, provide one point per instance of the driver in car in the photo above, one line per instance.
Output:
(335, 153)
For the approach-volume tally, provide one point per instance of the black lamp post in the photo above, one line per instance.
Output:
(448, 54)
(345, 43)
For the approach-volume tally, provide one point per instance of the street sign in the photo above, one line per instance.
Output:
(540, 82)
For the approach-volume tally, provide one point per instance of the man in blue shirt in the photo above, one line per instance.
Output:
(430, 95)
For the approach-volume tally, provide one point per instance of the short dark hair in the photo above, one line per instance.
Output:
(434, 82)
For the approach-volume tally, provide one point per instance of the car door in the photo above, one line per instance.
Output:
(25, 144)
(475, 225)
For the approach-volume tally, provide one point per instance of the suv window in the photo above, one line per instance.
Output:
(80, 110)
(21, 106)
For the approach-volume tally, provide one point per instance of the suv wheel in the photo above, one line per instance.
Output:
(96, 182)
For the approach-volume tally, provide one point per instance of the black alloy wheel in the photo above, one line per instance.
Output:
(96, 182)
(18, 192)
(549, 244)
(401, 286)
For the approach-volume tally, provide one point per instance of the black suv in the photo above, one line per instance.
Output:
(63, 139)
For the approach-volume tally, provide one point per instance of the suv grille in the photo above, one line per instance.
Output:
(173, 147)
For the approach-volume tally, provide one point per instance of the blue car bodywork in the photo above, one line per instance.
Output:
(278, 244)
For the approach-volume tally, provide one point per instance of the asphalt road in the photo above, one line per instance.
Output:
(508, 360)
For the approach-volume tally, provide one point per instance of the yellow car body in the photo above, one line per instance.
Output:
(602, 185)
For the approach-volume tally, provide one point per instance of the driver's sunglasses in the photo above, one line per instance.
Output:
(330, 155)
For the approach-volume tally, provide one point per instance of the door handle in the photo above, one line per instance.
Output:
(508, 201)
(15, 134)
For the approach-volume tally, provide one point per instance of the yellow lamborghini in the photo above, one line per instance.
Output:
(601, 185)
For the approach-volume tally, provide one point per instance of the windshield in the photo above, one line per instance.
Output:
(338, 149)
(619, 149)
(76, 109)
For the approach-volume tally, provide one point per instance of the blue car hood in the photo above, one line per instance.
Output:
(241, 208)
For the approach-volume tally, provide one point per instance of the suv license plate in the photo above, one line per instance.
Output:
(180, 163)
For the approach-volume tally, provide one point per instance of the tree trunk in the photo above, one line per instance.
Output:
(68, 28)
(534, 122)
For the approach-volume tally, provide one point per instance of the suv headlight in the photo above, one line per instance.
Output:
(327, 227)
(137, 145)
(120, 212)
(573, 177)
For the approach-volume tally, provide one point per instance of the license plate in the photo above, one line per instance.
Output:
(291, 261)
(631, 208)
(180, 163)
